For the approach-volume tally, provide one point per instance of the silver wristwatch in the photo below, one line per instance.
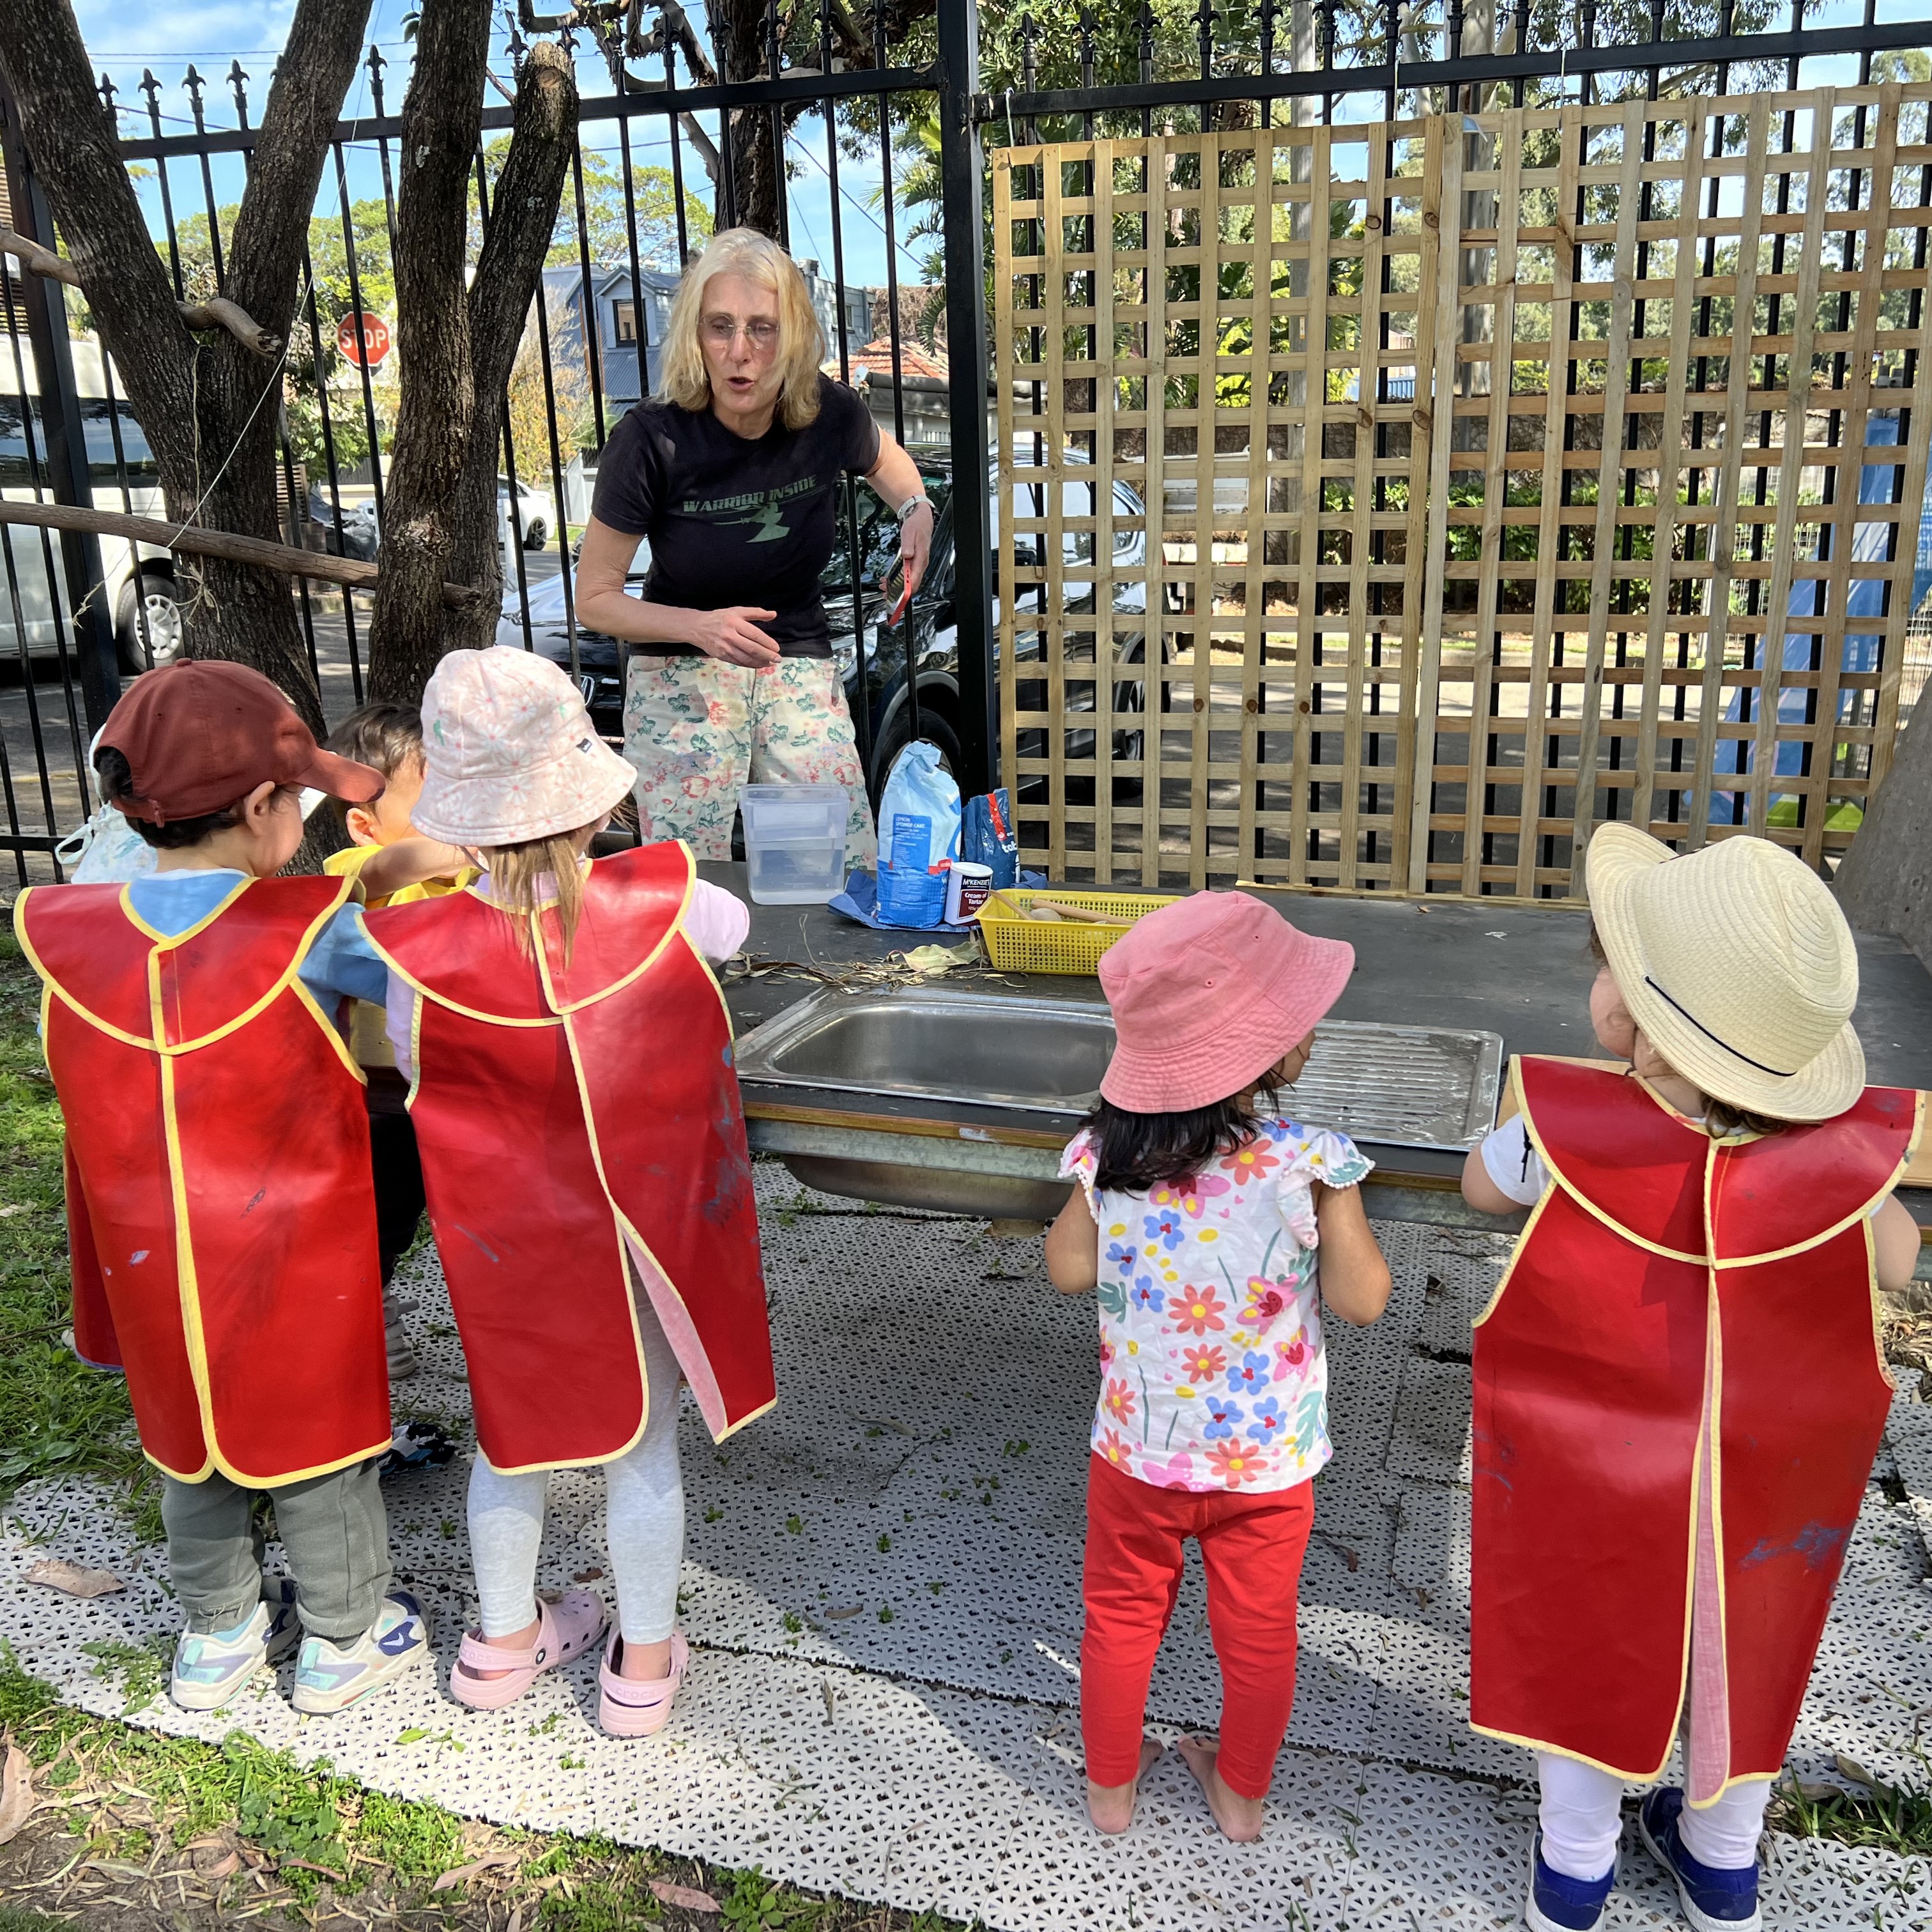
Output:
(912, 503)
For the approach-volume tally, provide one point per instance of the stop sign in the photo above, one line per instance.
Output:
(363, 338)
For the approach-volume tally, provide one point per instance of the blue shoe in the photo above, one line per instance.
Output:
(211, 1666)
(331, 1676)
(1713, 1900)
(1558, 1902)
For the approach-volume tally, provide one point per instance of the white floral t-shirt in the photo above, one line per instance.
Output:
(1212, 1375)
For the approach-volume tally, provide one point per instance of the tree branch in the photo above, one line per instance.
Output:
(216, 313)
(317, 63)
(194, 541)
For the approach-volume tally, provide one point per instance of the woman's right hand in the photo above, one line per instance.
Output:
(733, 635)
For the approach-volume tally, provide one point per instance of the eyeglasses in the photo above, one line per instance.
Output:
(722, 331)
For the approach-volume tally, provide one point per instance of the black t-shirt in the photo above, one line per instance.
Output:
(732, 520)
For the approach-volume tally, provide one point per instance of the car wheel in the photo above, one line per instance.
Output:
(536, 534)
(933, 726)
(147, 627)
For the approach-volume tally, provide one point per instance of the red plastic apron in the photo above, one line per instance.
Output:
(567, 1113)
(222, 1226)
(1683, 1350)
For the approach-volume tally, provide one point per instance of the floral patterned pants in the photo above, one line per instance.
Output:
(698, 729)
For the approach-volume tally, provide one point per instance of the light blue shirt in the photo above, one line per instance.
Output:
(341, 963)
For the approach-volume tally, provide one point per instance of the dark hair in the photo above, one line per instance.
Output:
(1137, 1151)
(1721, 1120)
(117, 784)
(387, 736)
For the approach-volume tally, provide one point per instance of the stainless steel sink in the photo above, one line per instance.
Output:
(1402, 1086)
(932, 1042)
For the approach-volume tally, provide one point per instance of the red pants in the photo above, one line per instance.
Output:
(1252, 1546)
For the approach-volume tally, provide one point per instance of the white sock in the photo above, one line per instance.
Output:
(1581, 1816)
(1724, 1835)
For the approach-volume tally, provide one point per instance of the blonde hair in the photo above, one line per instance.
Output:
(517, 875)
(801, 347)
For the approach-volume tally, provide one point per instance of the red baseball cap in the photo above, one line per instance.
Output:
(1207, 993)
(199, 733)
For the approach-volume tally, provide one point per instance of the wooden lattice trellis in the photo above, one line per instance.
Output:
(1593, 426)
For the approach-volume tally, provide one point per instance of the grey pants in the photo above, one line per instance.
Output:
(333, 1527)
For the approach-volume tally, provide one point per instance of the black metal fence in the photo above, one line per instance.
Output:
(79, 614)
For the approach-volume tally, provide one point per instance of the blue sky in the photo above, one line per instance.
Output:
(126, 37)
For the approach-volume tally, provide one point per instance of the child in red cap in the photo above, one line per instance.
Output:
(222, 1229)
(1198, 1217)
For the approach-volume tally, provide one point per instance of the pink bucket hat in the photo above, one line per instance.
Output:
(1208, 994)
(509, 752)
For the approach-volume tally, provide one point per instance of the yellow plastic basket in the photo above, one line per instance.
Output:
(1068, 945)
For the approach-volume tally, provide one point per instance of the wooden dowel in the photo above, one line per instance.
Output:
(218, 312)
(195, 542)
(1084, 914)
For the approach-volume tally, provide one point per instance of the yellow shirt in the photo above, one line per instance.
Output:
(368, 1031)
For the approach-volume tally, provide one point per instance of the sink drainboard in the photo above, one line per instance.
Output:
(1403, 1086)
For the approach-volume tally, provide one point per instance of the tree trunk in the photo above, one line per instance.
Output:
(1885, 883)
(442, 122)
(208, 407)
(441, 502)
(750, 191)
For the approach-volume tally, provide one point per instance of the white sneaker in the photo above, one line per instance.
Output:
(331, 1677)
(210, 1666)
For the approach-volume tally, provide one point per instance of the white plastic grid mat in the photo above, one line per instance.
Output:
(881, 1755)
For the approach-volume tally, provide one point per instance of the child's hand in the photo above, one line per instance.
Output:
(1073, 1247)
(1355, 1282)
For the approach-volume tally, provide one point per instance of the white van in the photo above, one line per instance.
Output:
(140, 587)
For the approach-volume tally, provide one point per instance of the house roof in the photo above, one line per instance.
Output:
(876, 359)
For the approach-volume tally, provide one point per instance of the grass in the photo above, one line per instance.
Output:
(320, 1838)
(1885, 1817)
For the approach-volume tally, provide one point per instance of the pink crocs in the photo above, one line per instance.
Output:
(567, 1626)
(635, 1709)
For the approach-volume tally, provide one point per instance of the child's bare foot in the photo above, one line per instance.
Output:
(1239, 1818)
(520, 1639)
(644, 1663)
(1111, 1806)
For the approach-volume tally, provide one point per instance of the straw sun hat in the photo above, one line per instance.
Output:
(1738, 966)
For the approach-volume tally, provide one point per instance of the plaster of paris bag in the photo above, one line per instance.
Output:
(918, 838)
(107, 850)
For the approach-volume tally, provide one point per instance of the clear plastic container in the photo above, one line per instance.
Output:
(795, 842)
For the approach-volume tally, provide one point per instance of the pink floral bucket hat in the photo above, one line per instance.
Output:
(1207, 993)
(509, 752)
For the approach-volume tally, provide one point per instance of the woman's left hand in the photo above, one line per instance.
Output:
(915, 545)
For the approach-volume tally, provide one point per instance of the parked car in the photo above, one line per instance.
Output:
(535, 514)
(352, 531)
(932, 616)
(138, 579)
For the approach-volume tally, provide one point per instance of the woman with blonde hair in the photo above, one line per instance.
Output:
(733, 471)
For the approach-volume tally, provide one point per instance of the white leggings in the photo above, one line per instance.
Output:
(1582, 1817)
(643, 1514)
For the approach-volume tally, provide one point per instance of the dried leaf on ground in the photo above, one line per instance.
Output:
(222, 1868)
(16, 1791)
(462, 1874)
(57, 1573)
(1850, 1767)
(683, 1895)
